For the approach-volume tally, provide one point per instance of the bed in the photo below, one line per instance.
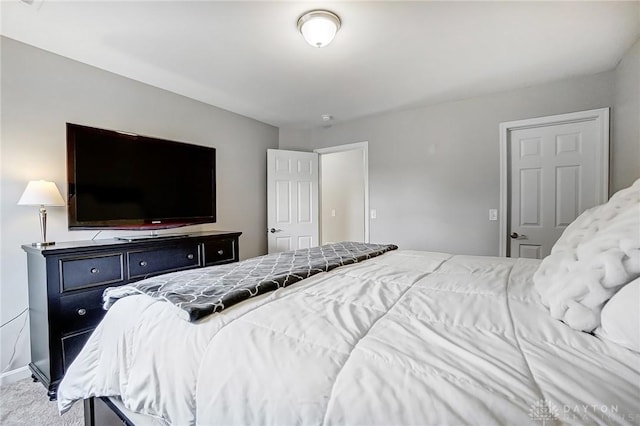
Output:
(402, 338)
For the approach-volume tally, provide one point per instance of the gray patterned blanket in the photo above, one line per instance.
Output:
(200, 292)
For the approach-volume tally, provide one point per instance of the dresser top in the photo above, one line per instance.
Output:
(60, 247)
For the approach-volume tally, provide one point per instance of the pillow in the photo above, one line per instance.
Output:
(597, 254)
(620, 319)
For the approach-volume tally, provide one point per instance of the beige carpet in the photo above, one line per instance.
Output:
(26, 403)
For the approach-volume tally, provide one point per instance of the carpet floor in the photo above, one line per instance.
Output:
(26, 403)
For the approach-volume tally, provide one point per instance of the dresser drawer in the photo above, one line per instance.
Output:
(81, 311)
(72, 345)
(220, 251)
(152, 262)
(83, 272)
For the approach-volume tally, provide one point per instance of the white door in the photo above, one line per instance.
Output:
(557, 170)
(292, 200)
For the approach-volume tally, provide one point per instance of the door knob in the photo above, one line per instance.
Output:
(517, 236)
(274, 230)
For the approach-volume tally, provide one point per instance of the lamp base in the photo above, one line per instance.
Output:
(43, 244)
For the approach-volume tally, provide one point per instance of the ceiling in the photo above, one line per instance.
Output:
(248, 57)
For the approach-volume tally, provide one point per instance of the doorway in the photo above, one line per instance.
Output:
(344, 193)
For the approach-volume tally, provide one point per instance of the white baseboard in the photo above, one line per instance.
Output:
(15, 375)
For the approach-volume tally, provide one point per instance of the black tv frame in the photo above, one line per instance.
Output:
(127, 224)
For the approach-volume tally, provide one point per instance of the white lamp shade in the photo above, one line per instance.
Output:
(319, 27)
(41, 193)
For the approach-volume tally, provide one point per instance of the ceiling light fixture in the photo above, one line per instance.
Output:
(319, 27)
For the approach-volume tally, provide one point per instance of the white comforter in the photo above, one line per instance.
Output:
(407, 338)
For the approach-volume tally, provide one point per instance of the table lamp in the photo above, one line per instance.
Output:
(41, 193)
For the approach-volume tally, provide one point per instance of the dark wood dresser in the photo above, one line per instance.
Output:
(66, 281)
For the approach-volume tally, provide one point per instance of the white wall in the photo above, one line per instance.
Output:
(41, 92)
(342, 191)
(434, 171)
(625, 141)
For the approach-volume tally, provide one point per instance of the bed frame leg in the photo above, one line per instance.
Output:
(89, 412)
(102, 412)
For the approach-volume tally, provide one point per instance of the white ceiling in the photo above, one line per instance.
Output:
(248, 57)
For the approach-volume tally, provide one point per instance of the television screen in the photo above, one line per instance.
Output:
(118, 180)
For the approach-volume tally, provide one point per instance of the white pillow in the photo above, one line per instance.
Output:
(620, 319)
(597, 254)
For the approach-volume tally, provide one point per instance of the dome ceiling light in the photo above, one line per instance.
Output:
(319, 27)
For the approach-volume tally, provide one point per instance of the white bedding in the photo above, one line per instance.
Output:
(406, 338)
(596, 255)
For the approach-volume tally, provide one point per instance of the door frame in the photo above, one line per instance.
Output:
(364, 146)
(601, 116)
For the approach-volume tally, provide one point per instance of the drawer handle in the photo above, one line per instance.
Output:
(94, 270)
(82, 312)
(190, 256)
(220, 252)
(143, 263)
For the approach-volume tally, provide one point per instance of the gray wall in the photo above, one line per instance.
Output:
(434, 171)
(41, 92)
(294, 138)
(625, 122)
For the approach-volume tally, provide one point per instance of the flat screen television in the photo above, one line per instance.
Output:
(118, 180)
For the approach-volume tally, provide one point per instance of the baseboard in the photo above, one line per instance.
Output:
(15, 375)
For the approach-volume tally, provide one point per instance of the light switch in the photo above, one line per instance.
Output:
(333, 212)
(493, 214)
(374, 214)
